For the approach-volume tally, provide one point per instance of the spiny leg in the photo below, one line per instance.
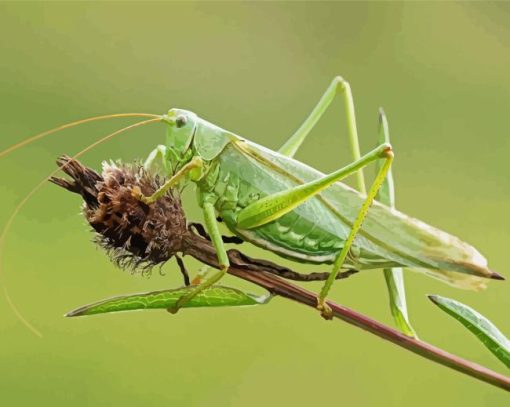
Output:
(217, 241)
(274, 206)
(184, 272)
(338, 86)
(259, 265)
(196, 162)
(200, 230)
(340, 259)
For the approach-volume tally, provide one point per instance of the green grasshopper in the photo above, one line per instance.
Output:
(280, 204)
(273, 201)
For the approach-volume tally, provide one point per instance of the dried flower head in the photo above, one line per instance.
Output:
(136, 236)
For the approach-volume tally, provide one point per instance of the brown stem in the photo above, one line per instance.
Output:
(202, 250)
(161, 231)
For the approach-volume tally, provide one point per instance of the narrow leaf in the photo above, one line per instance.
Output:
(395, 282)
(484, 329)
(216, 296)
(394, 276)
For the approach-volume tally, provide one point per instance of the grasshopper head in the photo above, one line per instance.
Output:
(180, 131)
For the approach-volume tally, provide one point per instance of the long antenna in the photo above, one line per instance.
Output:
(39, 136)
(27, 197)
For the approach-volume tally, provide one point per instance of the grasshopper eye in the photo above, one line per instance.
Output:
(181, 121)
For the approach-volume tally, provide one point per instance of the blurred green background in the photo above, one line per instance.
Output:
(441, 71)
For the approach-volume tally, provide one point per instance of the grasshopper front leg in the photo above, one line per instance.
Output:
(195, 163)
(214, 232)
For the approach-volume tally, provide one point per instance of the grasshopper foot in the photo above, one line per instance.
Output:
(136, 193)
(173, 310)
(325, 309)
(178, 305)
(197, 280)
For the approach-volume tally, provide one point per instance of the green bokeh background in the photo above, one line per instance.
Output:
(441, 71)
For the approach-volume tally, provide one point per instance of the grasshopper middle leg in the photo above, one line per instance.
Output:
(217, 241)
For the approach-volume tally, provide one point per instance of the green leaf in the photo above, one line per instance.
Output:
(216, 296)
(484, 329)
(394, 276)
(395, 282)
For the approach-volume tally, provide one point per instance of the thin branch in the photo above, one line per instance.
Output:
(202, 250)
(171, 225)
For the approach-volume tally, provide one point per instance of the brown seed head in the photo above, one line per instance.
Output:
(136, 236)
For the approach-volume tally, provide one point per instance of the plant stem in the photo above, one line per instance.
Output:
(202, 250)
(260, 272)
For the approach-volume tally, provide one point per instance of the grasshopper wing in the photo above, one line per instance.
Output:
(389, 233)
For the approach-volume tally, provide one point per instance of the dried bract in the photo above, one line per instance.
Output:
(136, 236)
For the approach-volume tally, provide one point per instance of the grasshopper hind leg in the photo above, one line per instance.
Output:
(272, 207)
(358, 222)
(338, 87)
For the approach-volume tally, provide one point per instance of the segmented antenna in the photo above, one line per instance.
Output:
(39, 136)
